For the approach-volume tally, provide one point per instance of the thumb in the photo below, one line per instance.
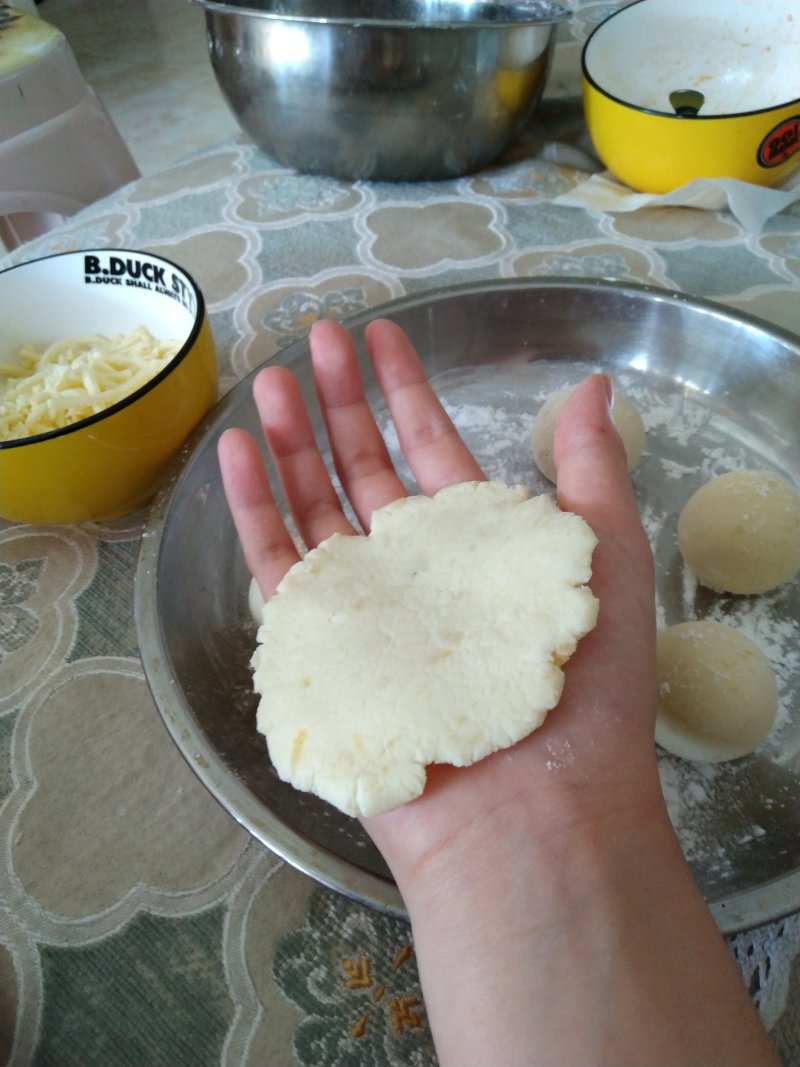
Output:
(592, 469)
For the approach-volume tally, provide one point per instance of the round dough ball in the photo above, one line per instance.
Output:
(626, 418)
(718, 698)
(740, 532)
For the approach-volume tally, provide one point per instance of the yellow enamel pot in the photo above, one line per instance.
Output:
(680, 89)
(110, 463)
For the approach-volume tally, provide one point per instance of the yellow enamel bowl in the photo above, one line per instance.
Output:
(108, 464)
(644, 66)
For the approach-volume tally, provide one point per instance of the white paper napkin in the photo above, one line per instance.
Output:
(751, 204)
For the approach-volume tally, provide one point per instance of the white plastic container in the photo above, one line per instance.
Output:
(59, 150)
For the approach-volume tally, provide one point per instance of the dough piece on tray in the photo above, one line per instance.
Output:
(438, 638)
(718, 698)
(740, 532)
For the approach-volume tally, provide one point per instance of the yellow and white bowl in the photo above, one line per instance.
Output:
(109, 463)
(742, 57)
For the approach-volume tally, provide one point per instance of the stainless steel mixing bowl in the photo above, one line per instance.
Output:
(392, 90)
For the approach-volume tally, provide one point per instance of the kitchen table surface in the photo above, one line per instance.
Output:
(139, 923)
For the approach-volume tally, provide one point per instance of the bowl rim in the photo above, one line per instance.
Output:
(654, 112)
(151, 383)
(550, 12)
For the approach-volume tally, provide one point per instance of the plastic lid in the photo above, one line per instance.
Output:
(39, 77)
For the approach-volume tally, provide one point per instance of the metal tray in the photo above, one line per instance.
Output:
(717, 391)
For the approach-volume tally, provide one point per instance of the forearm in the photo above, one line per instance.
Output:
(593, 948)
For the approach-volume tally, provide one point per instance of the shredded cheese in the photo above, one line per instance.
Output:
(75, 378)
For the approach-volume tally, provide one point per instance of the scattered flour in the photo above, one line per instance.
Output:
(561, 755)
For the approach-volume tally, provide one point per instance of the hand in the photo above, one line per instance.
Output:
(600, 741)
(551, 906)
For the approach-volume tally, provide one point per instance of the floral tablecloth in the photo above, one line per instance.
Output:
(139, 924)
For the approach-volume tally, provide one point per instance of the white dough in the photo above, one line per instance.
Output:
(718, 698)
(438, 638)
(740, 532)
(255, 601)
(626, 418)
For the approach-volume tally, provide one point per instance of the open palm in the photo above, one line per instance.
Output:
(601, 736)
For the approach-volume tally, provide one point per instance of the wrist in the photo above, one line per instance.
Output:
(580, 942)
(520, 815)
(562, 850)
(511, 925)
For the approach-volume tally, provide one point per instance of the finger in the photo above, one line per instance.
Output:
(268, 549)
(310, 495)
(594, 482)
(360, 456)
(592, 469)
(429, 440)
